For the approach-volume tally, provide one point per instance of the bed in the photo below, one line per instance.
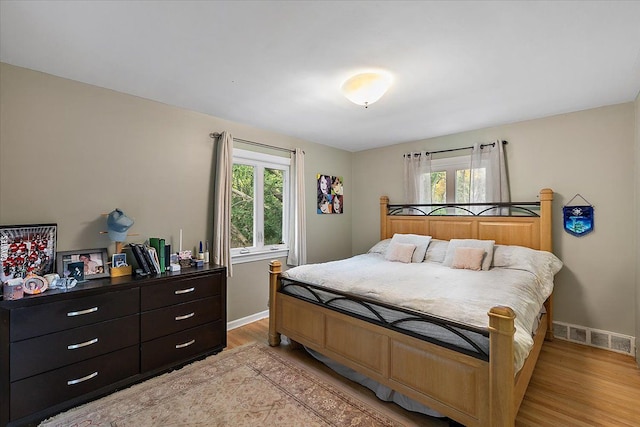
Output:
(467, 372)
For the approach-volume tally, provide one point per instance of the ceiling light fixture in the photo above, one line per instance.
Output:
(366, 88)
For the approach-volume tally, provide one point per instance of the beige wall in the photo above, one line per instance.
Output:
(70, 152)
(589, 152)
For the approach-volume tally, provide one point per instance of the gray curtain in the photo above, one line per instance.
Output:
(297, 215)
(417, 178)
(488, 173)
(222, 202)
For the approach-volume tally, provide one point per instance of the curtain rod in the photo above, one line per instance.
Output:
(492, 144)
(215, 135)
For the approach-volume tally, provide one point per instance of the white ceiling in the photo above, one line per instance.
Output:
(279, 65)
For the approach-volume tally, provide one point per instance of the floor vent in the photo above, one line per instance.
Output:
(595, 338)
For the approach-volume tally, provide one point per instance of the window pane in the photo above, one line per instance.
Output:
(439, 187)
(242, 206)
(273, 205)
(479, 185)
(462, 185)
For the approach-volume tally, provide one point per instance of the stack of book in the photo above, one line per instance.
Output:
(161, 250)
(149, 259)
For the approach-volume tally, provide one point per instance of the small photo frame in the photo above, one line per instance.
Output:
(94, 263)
(75, 271)
(119, 260)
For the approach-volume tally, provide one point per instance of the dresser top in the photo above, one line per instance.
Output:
(89, 287)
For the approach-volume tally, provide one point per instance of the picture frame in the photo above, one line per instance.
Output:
(119, 260)
(96, 263)
(27, 249)
(330, 192)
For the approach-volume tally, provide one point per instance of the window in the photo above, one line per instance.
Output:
(259, 206)
(450, 181)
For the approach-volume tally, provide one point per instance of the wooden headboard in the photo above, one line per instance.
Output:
(530, 231)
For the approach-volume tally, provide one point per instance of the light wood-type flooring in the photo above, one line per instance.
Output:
(572, 385)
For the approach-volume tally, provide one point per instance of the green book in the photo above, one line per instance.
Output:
(154, 242)
(161, 254)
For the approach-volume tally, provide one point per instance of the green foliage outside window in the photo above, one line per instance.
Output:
(242, 206)
(273, 205)
(439, 187)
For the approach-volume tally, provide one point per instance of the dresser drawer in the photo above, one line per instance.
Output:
(181, 346)
(167, 320)
(41, 354)
(42, 391)
(179, 291)
(43, 319)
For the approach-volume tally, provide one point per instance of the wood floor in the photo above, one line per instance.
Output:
(572, 385)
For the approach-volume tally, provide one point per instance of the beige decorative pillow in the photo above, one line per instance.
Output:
(487, 245)
(468, 258)
(420, 241)
(400, 252)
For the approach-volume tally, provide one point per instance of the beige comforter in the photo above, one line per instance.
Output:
(461, 295)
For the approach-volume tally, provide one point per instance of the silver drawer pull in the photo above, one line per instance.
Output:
(81, 312)
(184, 291)
(82, 344)
(79, 380)
(187, 344)
(186, 316)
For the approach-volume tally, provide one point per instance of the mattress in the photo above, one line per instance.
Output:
(401, 293)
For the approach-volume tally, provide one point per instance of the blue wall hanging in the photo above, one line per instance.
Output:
(578, 220)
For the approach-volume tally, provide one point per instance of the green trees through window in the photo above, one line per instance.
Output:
(242, 206)
(258, 202)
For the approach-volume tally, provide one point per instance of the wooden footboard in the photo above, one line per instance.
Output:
(466, 389)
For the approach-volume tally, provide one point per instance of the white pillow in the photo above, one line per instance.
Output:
(380, 247)
(400, 252)
(487, 245)
(421, 243)
(543, 264)
(436, 250)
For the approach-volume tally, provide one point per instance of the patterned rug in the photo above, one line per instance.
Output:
(246, 386)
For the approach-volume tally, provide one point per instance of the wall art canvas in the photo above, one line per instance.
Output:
(27, 250)
(330, 194)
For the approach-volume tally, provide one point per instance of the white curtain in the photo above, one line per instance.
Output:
(222, 202)
(488, 174)
(297, 223)
(417, 178)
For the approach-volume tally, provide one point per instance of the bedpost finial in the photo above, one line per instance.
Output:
(546, 194)
(503, 312)
(275, 266)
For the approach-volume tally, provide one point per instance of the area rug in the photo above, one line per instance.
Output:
(251, 385)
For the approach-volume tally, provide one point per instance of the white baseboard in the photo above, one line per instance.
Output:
(246, 320)
(612, 341)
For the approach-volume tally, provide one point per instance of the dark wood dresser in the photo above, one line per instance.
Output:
(63, 348)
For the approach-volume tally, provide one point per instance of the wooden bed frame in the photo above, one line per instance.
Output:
(468, 390)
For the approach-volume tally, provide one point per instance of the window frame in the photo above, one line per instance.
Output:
(260, 161)
(450, 165)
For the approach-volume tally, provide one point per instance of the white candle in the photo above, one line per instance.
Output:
(181, 240)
